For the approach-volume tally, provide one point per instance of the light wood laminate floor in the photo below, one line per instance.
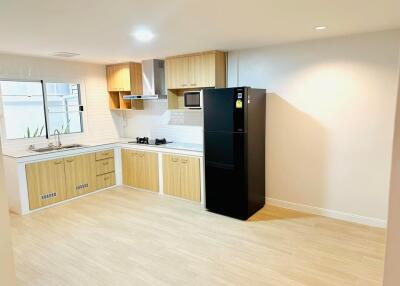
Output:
(126, 237)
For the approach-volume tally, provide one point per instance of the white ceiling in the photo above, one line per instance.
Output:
(100, 30)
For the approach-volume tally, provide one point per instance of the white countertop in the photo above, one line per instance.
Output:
(175, 147)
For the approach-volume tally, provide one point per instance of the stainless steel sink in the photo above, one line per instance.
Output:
(55, 148)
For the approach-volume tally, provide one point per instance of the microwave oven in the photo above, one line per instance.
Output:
(193, 99)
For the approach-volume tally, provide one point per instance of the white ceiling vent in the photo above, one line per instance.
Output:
(65, 54)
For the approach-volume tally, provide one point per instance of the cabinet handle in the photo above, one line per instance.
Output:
(175, 159)
(57, 163)
(105, 153)
(105, 163)
(70, 160)
(106, 178)
(184, 161)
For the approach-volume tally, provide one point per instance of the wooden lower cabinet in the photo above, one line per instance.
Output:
(53, 181)
(105, 180)
(80, 175)
(181, 175)
(46, 183)
(140, 169)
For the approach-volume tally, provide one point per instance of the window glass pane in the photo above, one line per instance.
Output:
(63, 101)
(23, 109)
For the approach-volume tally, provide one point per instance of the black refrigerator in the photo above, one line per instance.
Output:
(234, 150)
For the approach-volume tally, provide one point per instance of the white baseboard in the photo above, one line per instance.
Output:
(375, 222)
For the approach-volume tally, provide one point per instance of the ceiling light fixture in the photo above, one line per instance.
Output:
(143, 35)
(65, 54)
(320, 28)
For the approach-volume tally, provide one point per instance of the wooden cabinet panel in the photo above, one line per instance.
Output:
(105, 181)
(46, 183)
(177, 72)
(104, 154)
(181, 176)
(118, 77)
(140, 169)
(105, 166)
(151, 171)
(171, 175)
(80, 175)
(124, 77)
(190, 178)
(127, 157)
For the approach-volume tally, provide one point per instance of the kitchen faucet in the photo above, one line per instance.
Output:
(58, 142)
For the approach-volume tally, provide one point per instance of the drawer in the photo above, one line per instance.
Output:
(105, 181)
(104, 154)
(104, 166)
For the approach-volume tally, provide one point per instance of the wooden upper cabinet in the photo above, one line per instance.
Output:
(206, 69)
(124, 77)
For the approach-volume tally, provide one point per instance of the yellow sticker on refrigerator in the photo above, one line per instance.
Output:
(239, 103)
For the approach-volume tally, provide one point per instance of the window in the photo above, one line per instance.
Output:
(37, 109)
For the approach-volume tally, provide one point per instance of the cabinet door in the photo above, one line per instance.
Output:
(124, 77)
(46, 183)
(190, 178)
(183, 72)
(112, 84)
(139, 167)
(171, 175)
(80, 174)
(195, 71)
(206, 76)
(151, 171)
(118, 77)
(171, 73)
(127, 166)
(177, 72)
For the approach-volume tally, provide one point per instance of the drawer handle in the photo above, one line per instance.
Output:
(184, 161)
(106, 178)
(175, 159)
(70, 160)
(105, 163)
(57, 163)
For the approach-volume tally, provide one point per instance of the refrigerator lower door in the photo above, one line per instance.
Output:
(225, 174)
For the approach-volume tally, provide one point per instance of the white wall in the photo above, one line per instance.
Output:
(330, 118)
(99, 122)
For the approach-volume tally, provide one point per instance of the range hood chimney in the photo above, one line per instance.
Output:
(153, 79)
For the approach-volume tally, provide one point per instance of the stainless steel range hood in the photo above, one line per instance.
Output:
(153, 79)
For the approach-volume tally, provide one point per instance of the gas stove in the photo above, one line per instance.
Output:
(147, 141)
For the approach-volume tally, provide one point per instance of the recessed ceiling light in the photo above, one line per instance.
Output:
(320, 28)
(143, 35)
(65, 54)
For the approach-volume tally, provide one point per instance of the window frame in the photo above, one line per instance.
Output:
(47, 136)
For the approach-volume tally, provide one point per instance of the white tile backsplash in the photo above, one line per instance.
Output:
(157, 121)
